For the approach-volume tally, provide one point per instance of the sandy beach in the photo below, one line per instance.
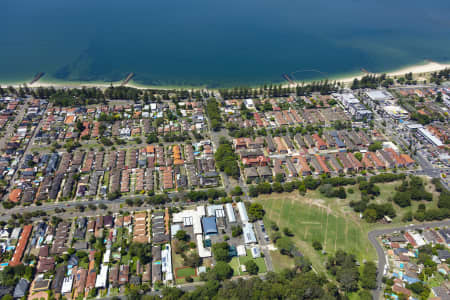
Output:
(415, 69)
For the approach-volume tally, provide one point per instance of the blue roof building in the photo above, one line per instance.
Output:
(209, 225)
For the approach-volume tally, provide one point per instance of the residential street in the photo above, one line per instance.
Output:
(27, 147)
(380, 252)
(11, 125)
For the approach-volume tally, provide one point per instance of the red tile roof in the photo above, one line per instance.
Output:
(21, 245)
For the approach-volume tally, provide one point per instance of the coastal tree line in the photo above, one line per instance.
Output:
(95, 95)
(438, 77)
(323, 87)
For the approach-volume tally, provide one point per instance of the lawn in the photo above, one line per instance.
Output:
(119, 235)
(114, 291)
(259, 262)
(177, 260)
(437, 280)
(106, 178)
(185, 272)
(234, 263)
(125, 260)
(237, 261)
(280, 261)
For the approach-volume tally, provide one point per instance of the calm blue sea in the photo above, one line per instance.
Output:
(217, 43)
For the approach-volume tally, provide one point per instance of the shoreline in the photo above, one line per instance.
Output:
(421, 68)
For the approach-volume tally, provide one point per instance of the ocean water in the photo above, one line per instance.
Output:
(217, 43)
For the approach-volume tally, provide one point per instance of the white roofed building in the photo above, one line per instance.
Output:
(67, 285)
(241, 250)
(211, 209)
(249, 233)
(230, 213)
(190, 218)
(242, 212)
(102, 277)
(202, 251)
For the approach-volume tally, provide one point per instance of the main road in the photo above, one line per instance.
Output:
(380, 251)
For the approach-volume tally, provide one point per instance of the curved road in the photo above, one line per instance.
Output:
(380, 252)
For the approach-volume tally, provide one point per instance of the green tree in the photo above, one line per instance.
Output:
(255, 212)
(192, 260)
(221, 251)
(375, 146)
(285, 245)
(317, 245)
(277, 187)
(369, 276)
(365, 295)
(251, 267)
(287, 232)
(302, 263)
(182, 235)
(237, 191)
(223, 270)
(370, 215)
(236, 231)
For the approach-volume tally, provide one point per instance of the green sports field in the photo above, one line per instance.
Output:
(312, 220)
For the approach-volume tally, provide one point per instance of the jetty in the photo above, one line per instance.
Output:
(127, 79)
(286, 76)
(37, 77)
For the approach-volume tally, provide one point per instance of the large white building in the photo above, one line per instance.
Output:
(102, 277)
(429, 137)
(191, 218)
(353, 106)
(242, 212)
(249, 233)
(379, 95)
(230, 213)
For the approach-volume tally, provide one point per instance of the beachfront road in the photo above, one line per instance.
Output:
(380, 252)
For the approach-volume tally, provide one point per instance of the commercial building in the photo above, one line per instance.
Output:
(429, 137)
(379, 95)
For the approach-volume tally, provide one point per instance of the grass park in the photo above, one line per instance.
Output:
(331, 221)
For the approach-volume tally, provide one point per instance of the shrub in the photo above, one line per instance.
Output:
(317, 245)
